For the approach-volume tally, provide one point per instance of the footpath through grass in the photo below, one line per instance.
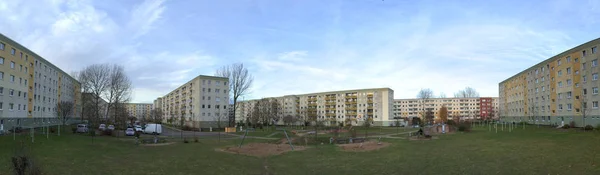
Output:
(530, 151)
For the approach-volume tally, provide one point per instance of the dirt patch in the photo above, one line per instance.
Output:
(261, 149)
(366, 146)
(159, 144)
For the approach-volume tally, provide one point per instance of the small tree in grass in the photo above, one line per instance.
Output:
(443, 113)
(64, 111)
(367, 124)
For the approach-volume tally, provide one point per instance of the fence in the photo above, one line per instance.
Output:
(7, 124)
(579, 121)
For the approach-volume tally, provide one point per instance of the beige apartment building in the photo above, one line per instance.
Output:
(458, 108)
(201, 102)
(141, 111)
(31, 87)
(556, 91)
(333, 108)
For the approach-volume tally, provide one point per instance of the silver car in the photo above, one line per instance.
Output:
(82, 128)
(129, 132)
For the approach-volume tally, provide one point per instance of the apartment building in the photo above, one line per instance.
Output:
(30, 86)
(558, 90)
(157, 103)
(88, 101)
(461, 108)
(201, 102)
(141, 111)
(335, 107)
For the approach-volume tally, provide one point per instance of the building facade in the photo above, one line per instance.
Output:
(30, 86)
(332, 108)
(141, 111)
(461, 108)
(201, 102)
(556, 91)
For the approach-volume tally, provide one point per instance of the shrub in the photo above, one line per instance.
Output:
(451, 122)
(74, 130)
(566, 127)
(107, 132)
(185, 140)
(196, 139)
(465, 127)
(353, 133)
(22, 162)
(52, 130)
(588, 127)
(572, 124)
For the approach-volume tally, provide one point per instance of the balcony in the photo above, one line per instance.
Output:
(351, 96)
(369, 95)
(330, 103)
(350, 113)
(330, 114)
(330, 109)
(312, 104)
(350, 102)
(329, 97)
(350, 108)
(370, 107)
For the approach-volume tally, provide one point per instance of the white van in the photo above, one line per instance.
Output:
(153, 129)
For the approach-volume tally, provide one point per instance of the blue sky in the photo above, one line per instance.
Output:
(303, 46)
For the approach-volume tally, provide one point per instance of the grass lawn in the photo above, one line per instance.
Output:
(530, 151)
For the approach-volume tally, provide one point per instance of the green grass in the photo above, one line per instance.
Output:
(530, 151)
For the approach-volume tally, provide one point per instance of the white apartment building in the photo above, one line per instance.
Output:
(464, 108)
(201, 102)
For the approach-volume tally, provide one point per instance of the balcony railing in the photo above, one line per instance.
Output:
(350, 108)
(330, 109)
(330, 103)
(351, 96)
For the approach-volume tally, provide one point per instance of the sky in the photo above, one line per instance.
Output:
(305, 46)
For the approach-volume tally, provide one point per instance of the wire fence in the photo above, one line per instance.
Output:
(9, 124)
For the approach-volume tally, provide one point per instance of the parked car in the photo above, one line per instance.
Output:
(82, 128)
(129, 132)
(111, 127)
(102, 127)
(138, 129)
(153, 129)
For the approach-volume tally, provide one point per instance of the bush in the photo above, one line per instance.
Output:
(196, 139)
(353, 133)
(74, 130)
(107, 132)
(52, 130)
(566, 127)
(588, 127)
(572, 124)
(22, 162)
(465, 127)
(451, 122)
(185, 140)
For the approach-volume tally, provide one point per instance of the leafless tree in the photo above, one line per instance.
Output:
(119, 91)
(95, 80)
(240, 81)
(468, 92)
(424, 95)
(64, 112)
(583, 102)
(156, 115)
(442, 95)
(288, 120)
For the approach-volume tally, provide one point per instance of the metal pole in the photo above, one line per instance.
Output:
(244, 137)
(288, 139)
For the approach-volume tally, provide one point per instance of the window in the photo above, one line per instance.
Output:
(569, 82)
(1, 60)
(12, 65)
(560, 106)
(12, 78)
(576, 72)
(583, 53)
(569, 94)
(595, 104)
(559, 62)
(569, 106)
(584, 78)
(595, 63)
(595, 90)
(595, 76)
(11, 106)
(583, 66)
(568, 70)
(1, 48)
(1, 75)
(560, 84)
(542, 79)
(559, 96)
(12, 51)
(594, 50)
(568, 59)
(536, 80)
(584, 91)
(543, 88)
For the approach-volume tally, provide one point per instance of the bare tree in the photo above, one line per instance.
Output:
(119, 91)
(468, 92)
(583, 102)
(288, 119)
(240, 81)
(156, 115)
(95, 80)
(424, 95)
(442, 95)
(64, 112)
